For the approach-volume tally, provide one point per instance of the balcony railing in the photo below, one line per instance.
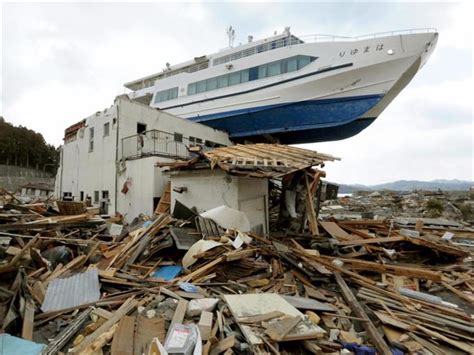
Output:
(155, 143)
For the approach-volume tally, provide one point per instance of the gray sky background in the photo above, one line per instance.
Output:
(62, 62)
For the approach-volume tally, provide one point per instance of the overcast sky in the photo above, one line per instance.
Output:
(61, 62)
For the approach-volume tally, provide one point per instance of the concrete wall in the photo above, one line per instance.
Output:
(13, 177)
(144, 183)
(208, 189)
(103, 169)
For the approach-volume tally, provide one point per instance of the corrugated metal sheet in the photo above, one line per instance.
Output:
(72, 291)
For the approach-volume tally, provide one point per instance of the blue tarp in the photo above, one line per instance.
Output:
(167, 272)
(10, 345)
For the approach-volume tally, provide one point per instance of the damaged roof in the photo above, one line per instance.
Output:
(257, 160)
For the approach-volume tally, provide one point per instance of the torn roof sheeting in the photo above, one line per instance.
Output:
(73, 291)
(259, 160)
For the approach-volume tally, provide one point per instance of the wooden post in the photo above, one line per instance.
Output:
(378, 341)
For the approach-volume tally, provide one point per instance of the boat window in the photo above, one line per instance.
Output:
(223, 81)
(244, 76)
(192, 89)
(253, 73)
(211, 84)
(274, 68)
(166, 95)
(262, 71)
(303, 60)
(292, 64)
(234, 78)
(278, 43)
(201, 86)
(262, 48)
(249, 52)
(236, 56)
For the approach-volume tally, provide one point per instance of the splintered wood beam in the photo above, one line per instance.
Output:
(313, 223)
(376, 338)
(407, 271)
(28, 320)
(178, 315)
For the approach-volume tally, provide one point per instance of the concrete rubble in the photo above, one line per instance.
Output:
(397, 281)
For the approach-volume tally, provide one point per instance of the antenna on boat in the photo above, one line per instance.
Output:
(231, 35)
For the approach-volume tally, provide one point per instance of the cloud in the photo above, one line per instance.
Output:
(62, 62)
(427, 132)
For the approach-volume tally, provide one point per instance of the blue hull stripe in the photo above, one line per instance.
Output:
(293, 117)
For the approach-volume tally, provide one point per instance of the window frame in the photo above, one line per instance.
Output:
(106, 129)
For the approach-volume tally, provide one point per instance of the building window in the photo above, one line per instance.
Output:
(81, 196)
(178, 137)
(96, 196)
(141, 128)
(195, 140)
(104, 204)
(106, 129)
(91, 139)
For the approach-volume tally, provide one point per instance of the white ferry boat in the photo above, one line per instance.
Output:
(291, 89)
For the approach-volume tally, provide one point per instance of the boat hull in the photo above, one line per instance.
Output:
(335, 97)
(284, 121)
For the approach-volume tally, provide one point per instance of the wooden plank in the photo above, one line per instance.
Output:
(309, 304)
(261, 317)
(377, 340)
(458, 293)
(178, 315)
(201, 270)
(408, 271)
(145, 330)
(310, 212)
(223, 345)
(11, 265)
(122, 343)
(165, 200)
(124, 309)
(336, 232)
(28, 320)
(205, 324)
(458, 344)
(372, 240)
(279, 329)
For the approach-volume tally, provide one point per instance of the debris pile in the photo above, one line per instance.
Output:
(74, 282)
(451, 205)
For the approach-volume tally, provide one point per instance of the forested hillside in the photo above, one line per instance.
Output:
(24, 147)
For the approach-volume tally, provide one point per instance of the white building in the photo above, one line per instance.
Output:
(110, 156)
(206, 189)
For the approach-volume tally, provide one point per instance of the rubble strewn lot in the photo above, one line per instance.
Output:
(72, 281)
(449, 205)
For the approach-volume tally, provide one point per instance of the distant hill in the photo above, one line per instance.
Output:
(23, 147)
(408, 185)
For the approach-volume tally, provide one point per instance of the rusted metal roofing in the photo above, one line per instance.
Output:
(265, 159)
(73, 291)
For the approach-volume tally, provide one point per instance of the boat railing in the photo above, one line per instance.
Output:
(334, 38)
